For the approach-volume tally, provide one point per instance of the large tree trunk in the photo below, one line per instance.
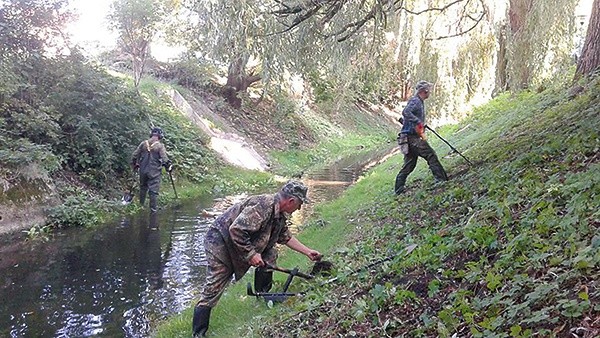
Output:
(238, 81)
(520, 75)
(502, 64)
(590, 55)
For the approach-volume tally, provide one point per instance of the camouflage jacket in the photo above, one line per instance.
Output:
(150, 156)
(252, 226)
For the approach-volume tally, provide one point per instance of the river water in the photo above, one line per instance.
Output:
(117, 279)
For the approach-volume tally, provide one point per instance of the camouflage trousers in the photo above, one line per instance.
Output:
(418, 147)
(151, 185)
(220, 271)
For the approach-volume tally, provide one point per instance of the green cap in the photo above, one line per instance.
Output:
(296, 189)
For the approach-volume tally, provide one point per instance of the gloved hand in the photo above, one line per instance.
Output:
(420, 129)
(135, 166)
(169, 166)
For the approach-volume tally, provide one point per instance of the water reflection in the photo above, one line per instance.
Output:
(109, 282)
(329, 183)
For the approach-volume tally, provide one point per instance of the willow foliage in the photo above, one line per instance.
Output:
(376, 49)
(539, 46)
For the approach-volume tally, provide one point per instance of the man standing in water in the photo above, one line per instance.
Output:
(244, 236)
(149, 158)
(412, 139)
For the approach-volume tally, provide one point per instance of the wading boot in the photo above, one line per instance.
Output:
(153, 202)
(143, 196)
(200, 321)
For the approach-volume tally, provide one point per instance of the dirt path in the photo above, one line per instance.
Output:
(233, 148)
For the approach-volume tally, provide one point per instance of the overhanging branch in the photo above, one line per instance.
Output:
(326, 10)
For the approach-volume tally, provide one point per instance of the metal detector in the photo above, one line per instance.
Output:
(451, 147)
(278, 297)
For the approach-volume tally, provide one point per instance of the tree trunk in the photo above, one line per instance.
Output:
(238, 81)
(502, 64)
(139, 55)
(590, 55)
(520, 75)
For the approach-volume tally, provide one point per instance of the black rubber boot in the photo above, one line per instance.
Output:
(263, 280)
(153, 201)
(200, 321)
(143, 193)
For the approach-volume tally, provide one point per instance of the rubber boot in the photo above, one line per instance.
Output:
(143, 193)
(263, 280)
(200, 321)
(153, 201)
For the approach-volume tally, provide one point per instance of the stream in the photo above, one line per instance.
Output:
(118, 279)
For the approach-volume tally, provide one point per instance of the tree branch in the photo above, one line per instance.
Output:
(330, 8)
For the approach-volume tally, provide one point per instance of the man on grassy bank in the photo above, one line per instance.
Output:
(412, 139)
(148, 159)
(244, 236)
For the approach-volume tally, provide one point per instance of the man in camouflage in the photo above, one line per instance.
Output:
(149, 158)
(244, 236)
(412, 139)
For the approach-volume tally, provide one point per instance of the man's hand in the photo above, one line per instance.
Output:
(168, 166)
(314, 255)
(420, 129)
(135, 166)
(256, 260)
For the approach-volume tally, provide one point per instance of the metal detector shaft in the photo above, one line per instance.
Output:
(406, 251)
(288, 271)
(451, 147)
(173, 184)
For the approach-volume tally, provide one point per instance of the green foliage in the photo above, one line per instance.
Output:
(540, 41)
(137, 22)
(28, 28)
(78, 209)
(323, 89)
(191, 73)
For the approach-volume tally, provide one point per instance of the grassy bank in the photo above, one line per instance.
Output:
(507, 248)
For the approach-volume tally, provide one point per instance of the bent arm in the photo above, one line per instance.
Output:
(136, 154)
(162, 151)
(296, 245)
(248, 222)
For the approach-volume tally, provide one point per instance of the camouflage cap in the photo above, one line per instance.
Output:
(423, 85)
(296, 189)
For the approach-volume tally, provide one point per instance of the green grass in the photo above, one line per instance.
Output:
(295, 161)
(506, 248)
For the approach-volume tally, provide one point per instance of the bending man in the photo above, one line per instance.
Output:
(244, 236)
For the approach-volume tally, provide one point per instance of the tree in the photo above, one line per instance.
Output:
(590, 55)
(340, 39)
(538, 41)
(30, 31)
(137, 22)
(342, 18)
(32, 27)
(230, 34)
